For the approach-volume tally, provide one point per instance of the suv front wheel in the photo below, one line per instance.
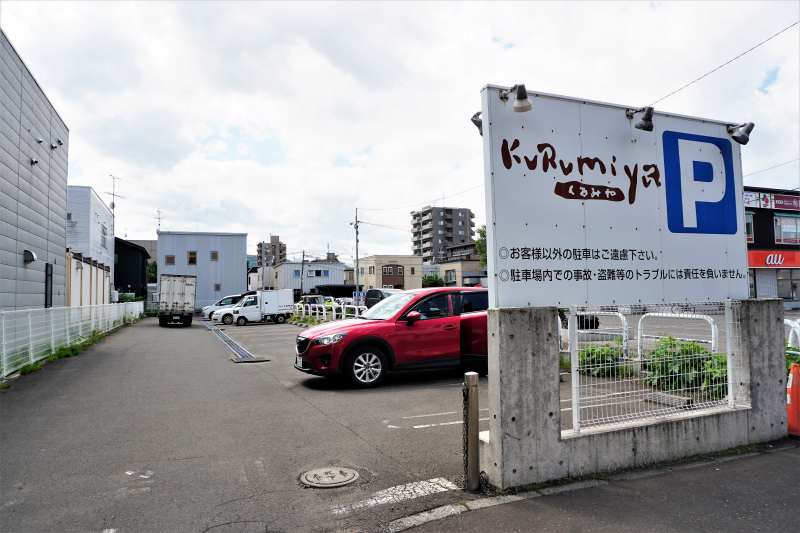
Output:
(366, 366)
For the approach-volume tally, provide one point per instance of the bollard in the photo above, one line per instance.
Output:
(472, 469)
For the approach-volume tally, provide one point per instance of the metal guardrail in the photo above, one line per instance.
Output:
(793, 339)
(325, 313)
(30, 335)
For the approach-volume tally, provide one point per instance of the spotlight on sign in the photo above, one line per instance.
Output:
(478, 121)
(741, 133)
(522, 103)
(646, 122)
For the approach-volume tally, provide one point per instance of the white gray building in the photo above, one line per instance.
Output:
(90, 225)
(219, 260)
(34, 144)
(289, 274)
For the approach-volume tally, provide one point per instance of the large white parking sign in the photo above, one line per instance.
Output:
(583, 208)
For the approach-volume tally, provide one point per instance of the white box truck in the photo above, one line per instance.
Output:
(176, 297)
(276, 306)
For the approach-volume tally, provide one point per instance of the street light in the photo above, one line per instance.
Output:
(522, 103)
(646, 122)
(741, 133)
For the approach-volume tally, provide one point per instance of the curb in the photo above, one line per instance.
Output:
(438, 513)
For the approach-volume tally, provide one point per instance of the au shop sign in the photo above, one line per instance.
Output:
(583, 208)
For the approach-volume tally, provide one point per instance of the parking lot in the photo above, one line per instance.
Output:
(155, 429)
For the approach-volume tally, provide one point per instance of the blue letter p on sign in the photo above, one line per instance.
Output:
(700, 188)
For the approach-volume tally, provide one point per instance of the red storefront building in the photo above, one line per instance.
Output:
(773, 243)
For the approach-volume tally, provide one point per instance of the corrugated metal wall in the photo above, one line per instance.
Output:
(228, 272)
(32, 195)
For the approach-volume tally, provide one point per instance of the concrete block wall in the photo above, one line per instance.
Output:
(525, 444)
(32, 196)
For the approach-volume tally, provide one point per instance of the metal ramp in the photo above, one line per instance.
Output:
(239, 353)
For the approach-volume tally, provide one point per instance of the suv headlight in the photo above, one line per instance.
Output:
(330, 339)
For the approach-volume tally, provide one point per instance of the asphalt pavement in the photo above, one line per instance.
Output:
(155, 429)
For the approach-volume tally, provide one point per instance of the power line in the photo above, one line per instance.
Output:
(795, 23)
(417, 204)
(383, 226)
(773, 166)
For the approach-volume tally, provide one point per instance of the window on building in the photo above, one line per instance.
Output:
(460, 222)
(440, 232)
(399, 271)
(103, 236)
(441, 222)
(788, 283)
(296, 273)
(191, 257)
(309, 273)
(326, 273)
(372, 270)
(169, 259)
(318, 273)
(217, 287)
(69, 217)
(748, 223)
(412, 271)
(361, 270)
(787, 229)
(461, 232)
(450, 276)
(387, 271)
(214, 255)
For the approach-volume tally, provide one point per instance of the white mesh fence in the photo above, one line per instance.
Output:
(30, 335)
(647, 361)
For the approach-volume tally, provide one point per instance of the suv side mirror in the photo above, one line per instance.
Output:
(412, 317)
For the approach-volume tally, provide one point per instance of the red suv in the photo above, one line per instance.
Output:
(417, 329)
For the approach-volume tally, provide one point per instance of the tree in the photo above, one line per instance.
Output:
(152, 272)
(480, 244)
(432, 280)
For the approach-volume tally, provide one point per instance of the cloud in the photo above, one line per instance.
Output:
(282, 118)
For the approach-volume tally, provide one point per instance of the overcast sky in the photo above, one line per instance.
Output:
(282, 118)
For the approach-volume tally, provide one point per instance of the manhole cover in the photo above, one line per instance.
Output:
(328, 477)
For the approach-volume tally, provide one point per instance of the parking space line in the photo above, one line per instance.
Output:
(454, 422)
(433, 414)
(399, 493)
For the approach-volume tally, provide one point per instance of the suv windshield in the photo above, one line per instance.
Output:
(387, 307)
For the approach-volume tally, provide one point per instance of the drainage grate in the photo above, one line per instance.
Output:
(328, 477)
(240, 354)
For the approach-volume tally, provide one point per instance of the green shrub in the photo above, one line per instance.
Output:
(675, 364)
(600, 360)
(31, 367)
(792, 356)
(715, 377)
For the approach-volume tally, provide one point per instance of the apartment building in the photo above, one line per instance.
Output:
(270, 253)
(90, 225)
(33, 181)
(219, 260)
(434, 229)
(390, 272)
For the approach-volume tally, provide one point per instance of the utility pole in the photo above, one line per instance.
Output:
(302, 271)
(355, 225)
(158, 217)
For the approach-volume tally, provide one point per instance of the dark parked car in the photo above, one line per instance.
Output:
(374, 296)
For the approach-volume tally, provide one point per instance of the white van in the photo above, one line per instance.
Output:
(276, 306)
(228, 301)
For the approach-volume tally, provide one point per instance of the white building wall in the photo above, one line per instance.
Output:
(90, 225)
(215, 279)
(287, 275)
